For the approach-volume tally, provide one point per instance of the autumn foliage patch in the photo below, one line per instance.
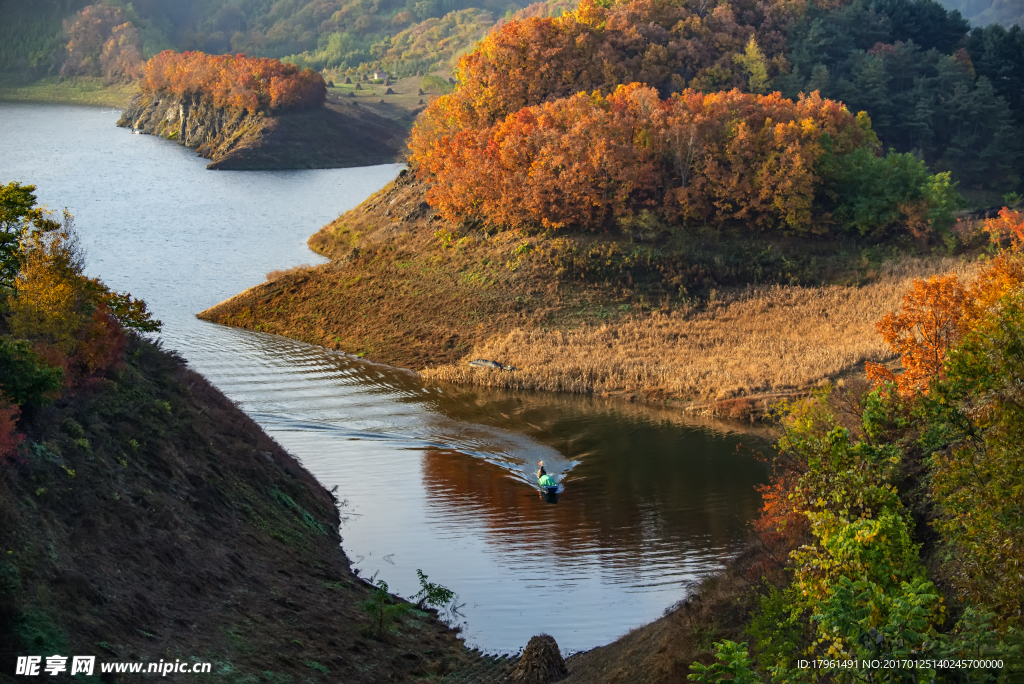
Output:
(234, 81)
(581, 122)
(586, 161)
(62, 328)
(937, 313)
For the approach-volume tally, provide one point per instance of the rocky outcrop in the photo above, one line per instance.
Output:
(330, 136)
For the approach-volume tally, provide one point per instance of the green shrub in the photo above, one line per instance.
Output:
(435, 84)
(24, 378)
(382, 609)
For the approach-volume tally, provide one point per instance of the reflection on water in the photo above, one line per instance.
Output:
(434, 478)
(439, 479)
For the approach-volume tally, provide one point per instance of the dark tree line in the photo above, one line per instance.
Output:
(932, 85)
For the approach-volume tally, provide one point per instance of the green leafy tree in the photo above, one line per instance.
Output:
(24, 377)
(976, 427)
(753, 62)
(19, 215)
(878, 196)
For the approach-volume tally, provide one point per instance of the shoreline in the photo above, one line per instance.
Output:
(405, 289)
(150, 517)
(89, 92)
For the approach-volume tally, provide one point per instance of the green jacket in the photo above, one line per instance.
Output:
(546, 481)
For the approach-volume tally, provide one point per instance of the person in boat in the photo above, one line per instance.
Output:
(543, 479)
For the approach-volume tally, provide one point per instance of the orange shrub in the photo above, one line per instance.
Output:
(781, 525)
(234, 82)
(101, 344)
(1008, 226)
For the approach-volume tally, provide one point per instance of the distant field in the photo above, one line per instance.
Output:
(406, 93)
(81, 90)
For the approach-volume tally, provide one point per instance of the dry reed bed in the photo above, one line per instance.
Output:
(761, 341)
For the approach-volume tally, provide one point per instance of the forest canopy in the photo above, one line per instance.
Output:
(590, 162)
(651, 110)
(935, 89)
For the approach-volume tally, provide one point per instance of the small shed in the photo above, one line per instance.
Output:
(380, 75)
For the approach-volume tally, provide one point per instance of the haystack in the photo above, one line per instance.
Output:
(420, 92)
(348, 80)
(359, 86)
(541, 663)
(389, 91)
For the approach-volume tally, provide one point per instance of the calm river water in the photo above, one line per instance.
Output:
(434, 478)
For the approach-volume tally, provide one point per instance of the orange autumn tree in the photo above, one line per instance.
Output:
(579, 162)
(234, 81)
(666, 44)
(72, 322)
(586, 161)
(933, 317)
(740, 157)
(938, 312)
(602, 45)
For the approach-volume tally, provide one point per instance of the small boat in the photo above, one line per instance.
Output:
(550, 493)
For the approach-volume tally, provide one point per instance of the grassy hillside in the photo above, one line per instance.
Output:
(80, 90)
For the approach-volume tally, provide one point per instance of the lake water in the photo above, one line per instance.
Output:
(434, 478)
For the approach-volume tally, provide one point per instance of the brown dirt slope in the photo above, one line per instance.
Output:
(335, 135)
(148, 518)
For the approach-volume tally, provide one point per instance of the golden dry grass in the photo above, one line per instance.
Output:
(761, 341)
